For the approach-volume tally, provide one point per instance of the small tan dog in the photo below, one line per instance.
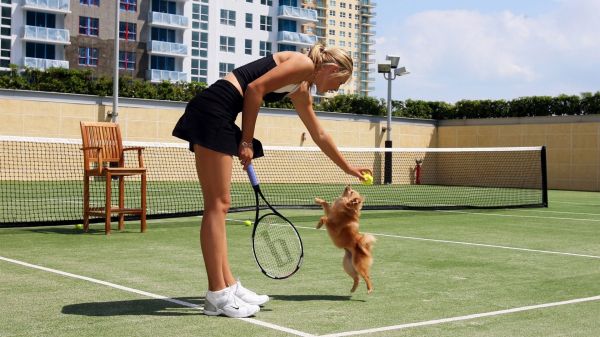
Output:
(341, 221)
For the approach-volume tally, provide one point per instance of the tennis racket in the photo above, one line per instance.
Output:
(276, 244)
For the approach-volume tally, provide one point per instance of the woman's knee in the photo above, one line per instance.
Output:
(220, 204)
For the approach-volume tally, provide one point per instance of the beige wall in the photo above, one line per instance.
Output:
(573, 142)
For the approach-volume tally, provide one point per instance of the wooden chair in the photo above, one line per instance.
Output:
(103, 156)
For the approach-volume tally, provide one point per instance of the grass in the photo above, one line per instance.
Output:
(429, 265)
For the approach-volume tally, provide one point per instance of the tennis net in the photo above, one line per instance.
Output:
(41, 179)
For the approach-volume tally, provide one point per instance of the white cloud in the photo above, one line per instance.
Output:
(515, 55)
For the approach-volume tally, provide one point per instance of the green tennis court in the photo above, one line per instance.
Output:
(514, 272)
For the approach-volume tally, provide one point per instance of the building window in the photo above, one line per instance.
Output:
(164, 6)
(39, 19)
(88, 26)
(88, 56)
(199, 44)
(162, 34)
(266, 2)
(266, 23)
(332, 32)
(90, 2)
(162, 63)
(248, 20)
(227, 17)
(225, 68)
(199, 16)
(127, 31)
(287, 25)
(286, 47)
(265, 49)
(227, 44)
(40, 50)
(127, 60)
(4, 53)
(129, 5)
(248, 47)
(199, 70)
(250, 1)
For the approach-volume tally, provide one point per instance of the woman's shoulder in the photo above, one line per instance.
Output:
(292, 56)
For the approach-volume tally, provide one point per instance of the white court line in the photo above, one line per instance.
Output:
(518, 216)
(464, 318)
(476, 244)
(574, 203)
(151, 295)
(558, 212)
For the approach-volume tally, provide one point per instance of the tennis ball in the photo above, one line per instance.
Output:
(248, 223)
(79, 226)
(368, 179)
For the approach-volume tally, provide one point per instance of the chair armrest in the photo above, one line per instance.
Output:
(139, 150)
(98, 150)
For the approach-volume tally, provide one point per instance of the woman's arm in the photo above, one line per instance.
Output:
(295, 69)
(302, 101)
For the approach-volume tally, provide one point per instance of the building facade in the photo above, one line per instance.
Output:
(181, 40)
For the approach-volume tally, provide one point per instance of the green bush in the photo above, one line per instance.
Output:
(84, 82)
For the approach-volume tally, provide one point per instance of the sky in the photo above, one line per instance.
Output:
(488, 49)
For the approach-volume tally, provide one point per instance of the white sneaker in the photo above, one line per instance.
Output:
(249, 296)
(224, 302)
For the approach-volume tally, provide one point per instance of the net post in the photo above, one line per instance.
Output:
(387, 173)
(544, 177)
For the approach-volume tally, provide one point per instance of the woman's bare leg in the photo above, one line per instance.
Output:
(214, 171)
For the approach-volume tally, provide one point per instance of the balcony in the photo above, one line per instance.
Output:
(46, 35)
(367, 32)
(368, 3)
(167, 48)
(297, 13)
(167, 20)
(43, 64)
(48, 6)
(157, 75)
(296, 39)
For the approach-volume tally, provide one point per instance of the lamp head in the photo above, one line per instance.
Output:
(401, 71)
(394, 60)
(384, 67)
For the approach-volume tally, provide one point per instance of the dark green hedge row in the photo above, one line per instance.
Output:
(84, 82)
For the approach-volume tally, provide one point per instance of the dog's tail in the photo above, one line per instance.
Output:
(365, 243)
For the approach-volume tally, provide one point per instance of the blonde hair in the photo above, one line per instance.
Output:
(321, 55)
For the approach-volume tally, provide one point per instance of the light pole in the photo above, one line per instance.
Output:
(389, 69)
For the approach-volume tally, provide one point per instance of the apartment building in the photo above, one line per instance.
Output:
(180, 40)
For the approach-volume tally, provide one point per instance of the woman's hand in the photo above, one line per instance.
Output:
(359, 171)
(245, 153)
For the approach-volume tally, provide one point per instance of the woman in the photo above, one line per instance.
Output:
(208, 124)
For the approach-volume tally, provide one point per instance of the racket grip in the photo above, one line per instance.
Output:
(252, 175)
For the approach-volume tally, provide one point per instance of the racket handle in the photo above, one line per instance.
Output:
(252, 175)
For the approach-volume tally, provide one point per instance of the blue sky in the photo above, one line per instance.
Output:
(489, 49)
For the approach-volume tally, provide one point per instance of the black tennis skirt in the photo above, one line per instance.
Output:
(209, 120)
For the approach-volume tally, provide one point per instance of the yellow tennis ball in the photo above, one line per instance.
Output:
(368, 179)
(79, 226)
(248, 223)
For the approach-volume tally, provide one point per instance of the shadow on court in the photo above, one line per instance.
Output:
(303, 298)
(154, 307)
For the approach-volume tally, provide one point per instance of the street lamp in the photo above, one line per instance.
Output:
(389, 69)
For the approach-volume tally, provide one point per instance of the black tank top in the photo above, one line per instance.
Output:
(255, 69)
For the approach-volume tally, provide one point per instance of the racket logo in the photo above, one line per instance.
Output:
(277, 247)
